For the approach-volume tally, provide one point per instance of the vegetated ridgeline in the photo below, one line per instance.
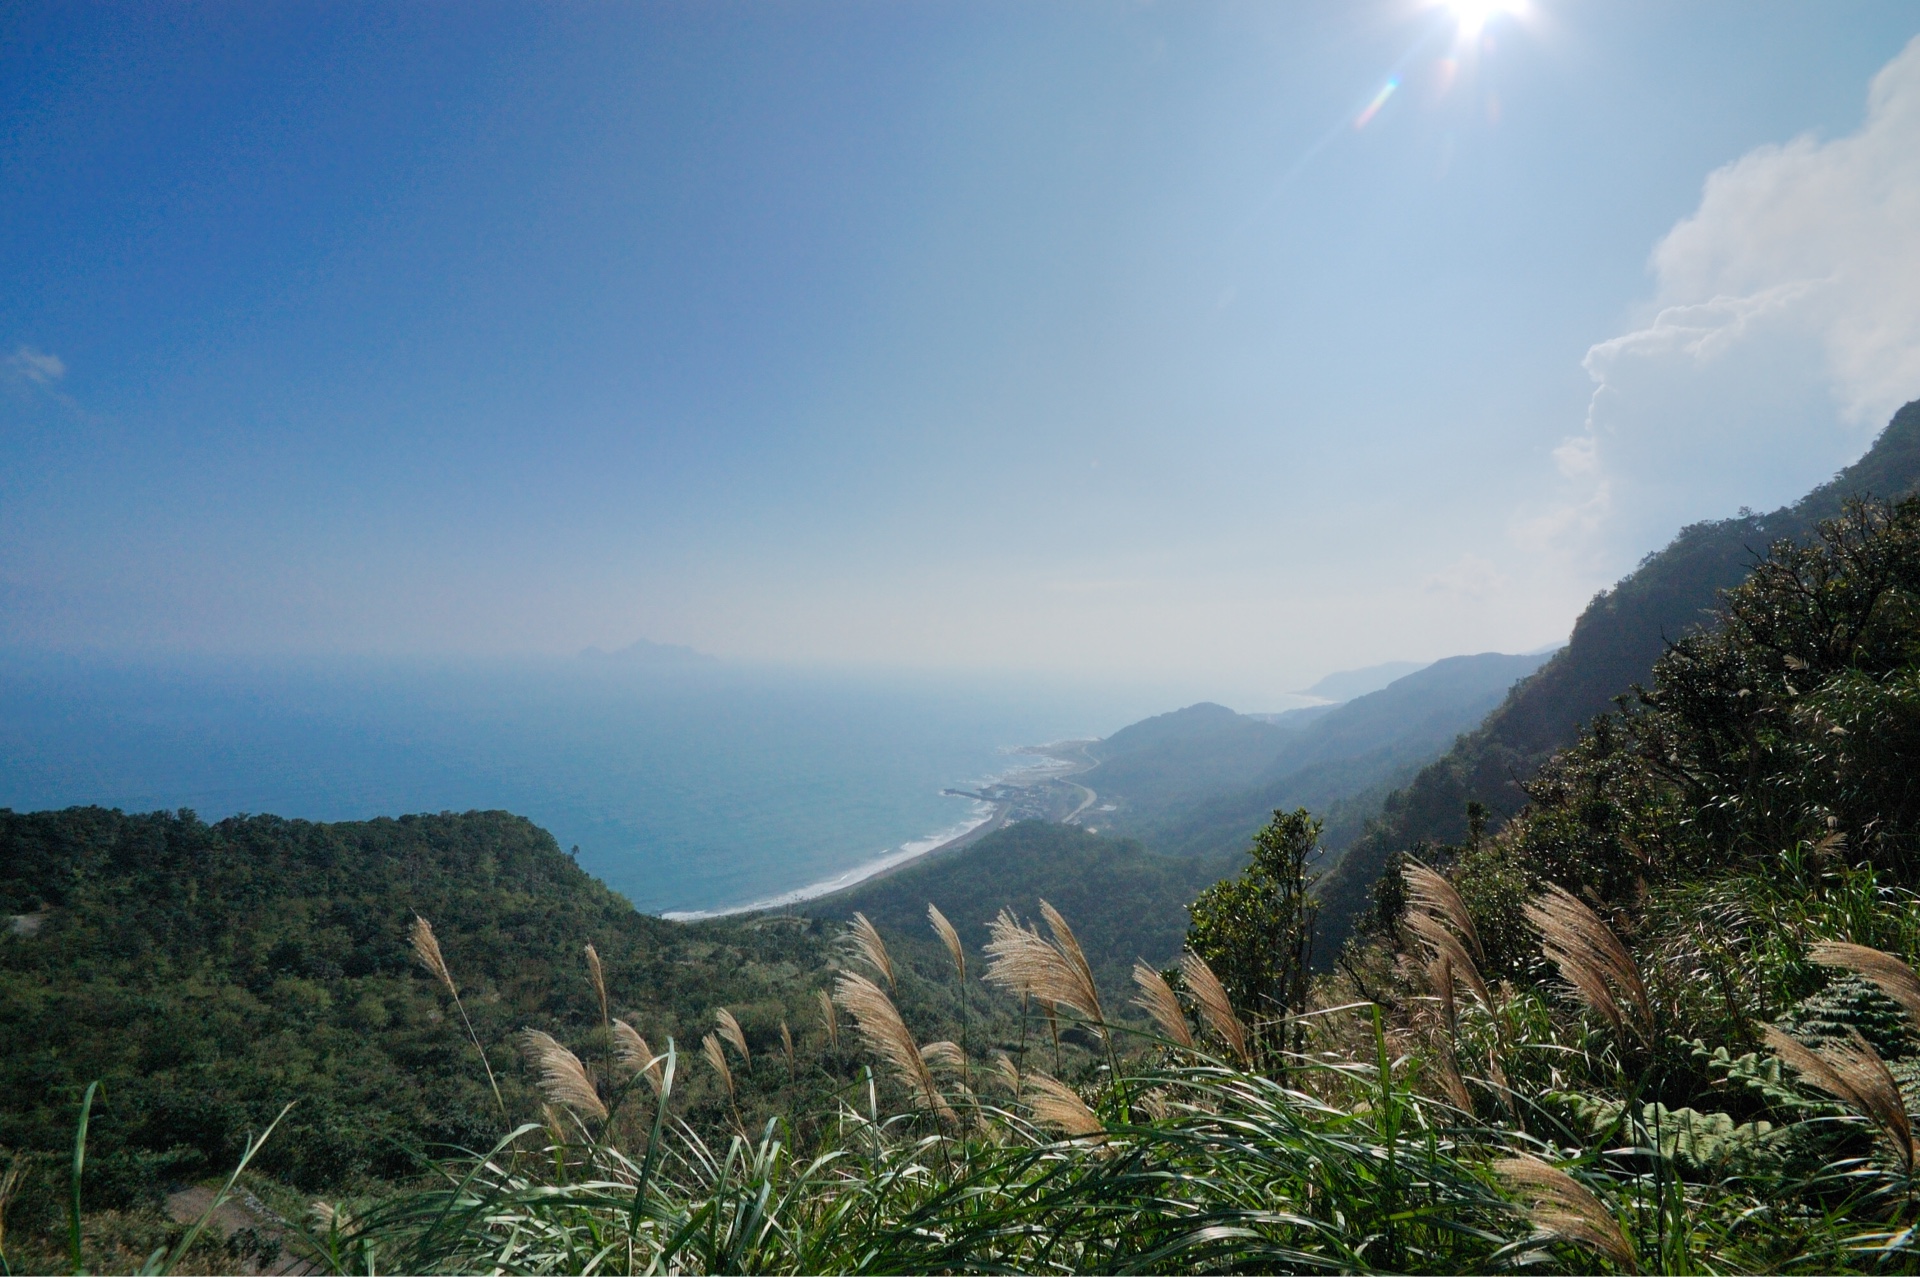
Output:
(1663, 1021)
(1613, 647)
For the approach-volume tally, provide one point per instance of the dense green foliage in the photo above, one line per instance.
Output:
(1255, 930)
(208, 974)
(1614, 645)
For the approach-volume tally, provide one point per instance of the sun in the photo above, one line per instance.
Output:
(1469, 16)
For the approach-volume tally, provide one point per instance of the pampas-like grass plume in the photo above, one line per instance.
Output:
(599, 976)
(1158, 1000)
(730, 1034)
(864, 939)
(1592, 959)
(1215, 1008)
(1446, 946)
(563, 1079)
(786, 1045)
(1054, 971)
(829, 1017)
(1895, 978)
(710, 1047)
(886, 1035)
(1856, 1076)
(426, 947)
(944, 1055)
(1007, 1071)
(1058, 1105)
(634, 1055)
(950, 938)
(1564, 1208)
(1431, 893)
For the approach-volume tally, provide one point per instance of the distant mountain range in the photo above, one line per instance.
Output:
(1613, 647)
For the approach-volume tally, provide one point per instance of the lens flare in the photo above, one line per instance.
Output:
(1379, 100)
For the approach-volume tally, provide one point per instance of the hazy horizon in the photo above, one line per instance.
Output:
(1204, 349)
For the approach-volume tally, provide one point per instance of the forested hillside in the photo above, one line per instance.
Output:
(208, 974)
(1614, 645)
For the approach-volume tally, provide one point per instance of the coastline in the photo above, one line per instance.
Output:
(1069, 758)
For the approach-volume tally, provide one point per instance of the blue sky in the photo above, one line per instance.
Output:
(1063, 337)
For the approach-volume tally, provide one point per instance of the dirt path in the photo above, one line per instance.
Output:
(241, 1210)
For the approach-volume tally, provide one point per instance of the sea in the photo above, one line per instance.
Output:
(692, 788)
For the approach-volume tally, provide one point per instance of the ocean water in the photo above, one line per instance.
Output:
(688, 789)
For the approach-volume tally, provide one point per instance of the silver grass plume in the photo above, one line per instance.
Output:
(599, 977)
(730, 1034)
(634, 1055)
(1432, 893)
(1444, 944)
(1592, 959)
(1894, 977)
(829, 1017)
(1855, 1075)
(717, 1057)
(1215, 1007)
(563, 1079)
(864, 939)
(1565, 1209)
(1158, 1000)
(950, 938)
(786, 1044)
(1058, 1105)
(426, 947)
(1052, 971)
(879, 1024)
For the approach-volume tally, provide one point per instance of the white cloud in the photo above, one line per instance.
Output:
(37, 366)
(1786, 332)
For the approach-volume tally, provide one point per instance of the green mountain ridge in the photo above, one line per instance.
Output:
(1613, 647)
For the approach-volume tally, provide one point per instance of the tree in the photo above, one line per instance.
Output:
(1256, 930)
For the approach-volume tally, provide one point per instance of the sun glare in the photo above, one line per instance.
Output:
(1470, 16)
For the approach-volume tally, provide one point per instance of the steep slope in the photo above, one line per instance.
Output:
(1172, 759)
(1614, 645)
(1351, 754)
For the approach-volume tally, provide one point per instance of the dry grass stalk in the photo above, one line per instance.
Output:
(1450, 1083)
(426, 947)
(717, 1057)
(1440, 980)
(731, 1034)
(1156, 1104)
(1054, 972)
(1444, 944)
(1856, 1076)
(634, 1055)
(786, 1044)
(1058, 1105)
(1563, 1208)
(950, 938)
(1007, 1071)
(1215, 1008)
(9, 1185)
(829, 1017)
(864, 938)
(563, 1079)
(1431, 893)
(879, 1024)
(1592, 959)
(599, 977)
(1158, 1000)
(1894, 977)
(944, 1055)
